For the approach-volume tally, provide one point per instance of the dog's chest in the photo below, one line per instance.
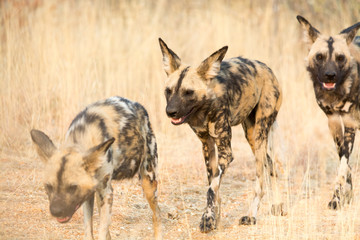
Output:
(344, 107)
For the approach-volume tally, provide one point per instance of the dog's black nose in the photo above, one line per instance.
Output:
(171, 112)
(56, 210)
(56, 207)
(330, 75)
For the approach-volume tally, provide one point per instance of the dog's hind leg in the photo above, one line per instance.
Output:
(150, 190)
(149, 183)
(260, 158)
(257, 128)
(88, 208)
(249, 130)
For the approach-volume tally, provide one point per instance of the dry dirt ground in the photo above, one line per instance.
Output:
(182, 196)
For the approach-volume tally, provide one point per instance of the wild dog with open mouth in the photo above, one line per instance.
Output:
(110, 139)
(334, 66)
(212, 98)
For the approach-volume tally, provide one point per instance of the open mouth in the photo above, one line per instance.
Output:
(178, 121)
(329, 86)
(66, 219)
(63, 220)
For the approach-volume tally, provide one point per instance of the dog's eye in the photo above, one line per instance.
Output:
(167, 91)
(189, 93)
(319, 57)
(71, 188)
(48, 188)
(340, 58)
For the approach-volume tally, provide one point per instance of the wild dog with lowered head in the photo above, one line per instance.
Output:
(334, 66)
(109, 140)
(214, 97)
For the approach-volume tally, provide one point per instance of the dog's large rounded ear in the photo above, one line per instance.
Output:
(44, 146)
(171, 61)
(210, 67)
(93, 158)
(310, 33)
(350, 32)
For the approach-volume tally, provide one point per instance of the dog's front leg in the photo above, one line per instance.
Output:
(105, 200)
(222, 136)
(209, 152)
(88, 208)
(343, 131)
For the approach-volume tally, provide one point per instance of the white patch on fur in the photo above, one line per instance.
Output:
(166, 63)
(212, 133)
(343, 170)
(256, 201)
(132, 164)
(125, 107)
(117, 152)
(152, 146)
(213, 70)
(114, 100)
(79, 122)
(122, 123)
(342, 125)
(216, 181)
(346, 107)
(118, 101)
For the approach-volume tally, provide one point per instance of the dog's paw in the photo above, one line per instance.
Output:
(208, 222)
(334, 204)
(247, 220)
(278, 210)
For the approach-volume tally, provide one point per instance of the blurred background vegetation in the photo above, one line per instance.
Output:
(57, 56)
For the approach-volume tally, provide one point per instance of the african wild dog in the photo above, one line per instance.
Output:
(110, 139)
(213, 97)
(334, 66)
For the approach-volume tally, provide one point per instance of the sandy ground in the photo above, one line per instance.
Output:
(182, 196)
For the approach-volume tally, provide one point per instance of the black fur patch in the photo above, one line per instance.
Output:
(182, 75)
(330, 46)
(109, 155)
(61, 171)
(210, 198)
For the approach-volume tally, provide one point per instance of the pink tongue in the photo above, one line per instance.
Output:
(61, 220)
(329, 85)
(176, 121)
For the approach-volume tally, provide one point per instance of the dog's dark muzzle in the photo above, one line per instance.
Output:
(61, 210)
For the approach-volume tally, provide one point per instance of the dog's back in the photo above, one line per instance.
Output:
(245, 82)
(122, 119)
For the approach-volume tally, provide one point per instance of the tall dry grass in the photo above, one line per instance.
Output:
(58, 56)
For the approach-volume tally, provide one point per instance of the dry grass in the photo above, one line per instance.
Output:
(58, 56)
